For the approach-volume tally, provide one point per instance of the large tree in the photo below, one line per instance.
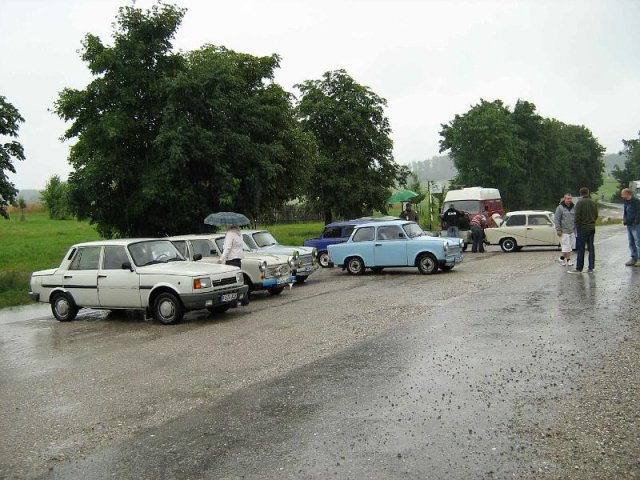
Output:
(11, 150)
(354, 170)
(631, 168)
(165, 138)
(532, 160)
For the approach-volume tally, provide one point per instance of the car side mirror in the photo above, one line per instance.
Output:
(127, 266)
(197, 256)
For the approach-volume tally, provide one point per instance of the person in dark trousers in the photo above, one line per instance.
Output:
(452, 217)
(631, 218)
(586, 214)
(478, 223)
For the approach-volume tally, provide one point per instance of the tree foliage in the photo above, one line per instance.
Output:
(10, 120)
(531, 159)
(165, 138)
(631, 168)
(56, 198)
(354, 169)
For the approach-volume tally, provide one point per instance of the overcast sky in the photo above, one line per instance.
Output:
(577, 61)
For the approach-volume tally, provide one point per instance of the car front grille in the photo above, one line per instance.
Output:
(223, 281)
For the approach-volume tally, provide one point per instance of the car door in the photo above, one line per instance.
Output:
(540, 230)
(118, 287)
(516, 227)
(81, 279)
(390, 246)
(362, 245)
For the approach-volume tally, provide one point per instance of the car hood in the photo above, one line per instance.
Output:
(186, 268)
(286, 250)
(271, 259)
(498, 219)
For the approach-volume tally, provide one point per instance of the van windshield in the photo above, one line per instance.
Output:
(471, 206)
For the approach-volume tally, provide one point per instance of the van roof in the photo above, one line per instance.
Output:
(472, 193)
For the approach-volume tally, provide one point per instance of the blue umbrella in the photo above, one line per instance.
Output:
(226, 219)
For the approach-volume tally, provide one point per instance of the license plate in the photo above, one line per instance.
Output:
(227, 297)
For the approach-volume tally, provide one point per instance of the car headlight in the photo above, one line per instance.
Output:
(314, 256)
(240, 277)
(446, 248)
(203, 282)
(461, 242)
(292, 262)
(263, 266)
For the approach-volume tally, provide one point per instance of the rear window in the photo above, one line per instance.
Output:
(471, 206)
(332, 232)
(364, 234)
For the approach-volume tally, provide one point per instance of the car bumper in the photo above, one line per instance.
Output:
(452, 260)
(34, 296)
(306, 271)
(276, 282)
(197, 301)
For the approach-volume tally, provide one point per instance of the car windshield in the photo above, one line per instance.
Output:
(471, 206)
(264, 239)
(413, 230)
(154, 251)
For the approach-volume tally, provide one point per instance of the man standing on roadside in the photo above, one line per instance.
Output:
(631, 219)
(564, 219)
(409, 214)
(586, 214)
(451, 216)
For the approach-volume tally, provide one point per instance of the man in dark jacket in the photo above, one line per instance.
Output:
(452, 217)
(586, 214)
(631, 219)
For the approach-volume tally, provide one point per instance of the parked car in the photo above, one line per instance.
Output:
(525, 228)
(333, 233)
(397, 243)
(262, 241)
(262, 271)
(140, 274)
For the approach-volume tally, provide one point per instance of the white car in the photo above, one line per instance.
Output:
(136, 274)
(262, 241)
(524, 228)
(262, 271)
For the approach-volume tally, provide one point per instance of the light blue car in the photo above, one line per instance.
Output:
(397, 243)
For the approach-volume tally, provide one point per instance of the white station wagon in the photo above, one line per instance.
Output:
(139, 274)
(523, 228)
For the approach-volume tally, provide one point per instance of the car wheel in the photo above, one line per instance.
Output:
(355, 266)
(465, 245)
(167, 309)
(427, 264)
(63, 307)
(275, 290)
(300, 279)
(446, 268)
(376, 269)
(219, 308)
(508, 245)
(323, 259)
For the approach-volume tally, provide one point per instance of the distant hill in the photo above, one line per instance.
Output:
(436, 168)
(30, 196)
(611, 160)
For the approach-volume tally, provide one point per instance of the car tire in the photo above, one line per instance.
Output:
(323, 259)
(167, 309)
(63, 307)
(508, 245)
(275, 290)
(219, 308)
(465, 245)
(377, 269)
(446, 268)
(301, 279)
(355, 266)
(427, 264)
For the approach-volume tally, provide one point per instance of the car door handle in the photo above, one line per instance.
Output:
(529, 228)
(68, 276)
(102, 276)
(378, 244)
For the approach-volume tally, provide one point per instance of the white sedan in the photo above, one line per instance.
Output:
(524, 228)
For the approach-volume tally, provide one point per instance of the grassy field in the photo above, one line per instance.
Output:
(607, 190)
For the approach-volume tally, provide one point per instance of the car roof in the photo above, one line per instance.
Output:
(195, 236)
(345, 223)
(528, 212)
(115, 241)
(384, 223)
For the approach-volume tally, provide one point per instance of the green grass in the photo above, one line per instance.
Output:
(607, 190)
(34, 244)
(294, 233)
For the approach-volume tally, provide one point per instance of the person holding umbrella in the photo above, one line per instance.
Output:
(409, 214)
(233, 248)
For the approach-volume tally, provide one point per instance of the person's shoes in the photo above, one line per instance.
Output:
(561, 261)
(590, 270)
(570, 263)
(631, 262)
(574, 271)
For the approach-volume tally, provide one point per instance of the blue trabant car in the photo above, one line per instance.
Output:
(398, 243)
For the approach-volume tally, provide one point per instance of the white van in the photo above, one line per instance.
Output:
(473, 201)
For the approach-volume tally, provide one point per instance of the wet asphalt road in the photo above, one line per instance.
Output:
(381, 376)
